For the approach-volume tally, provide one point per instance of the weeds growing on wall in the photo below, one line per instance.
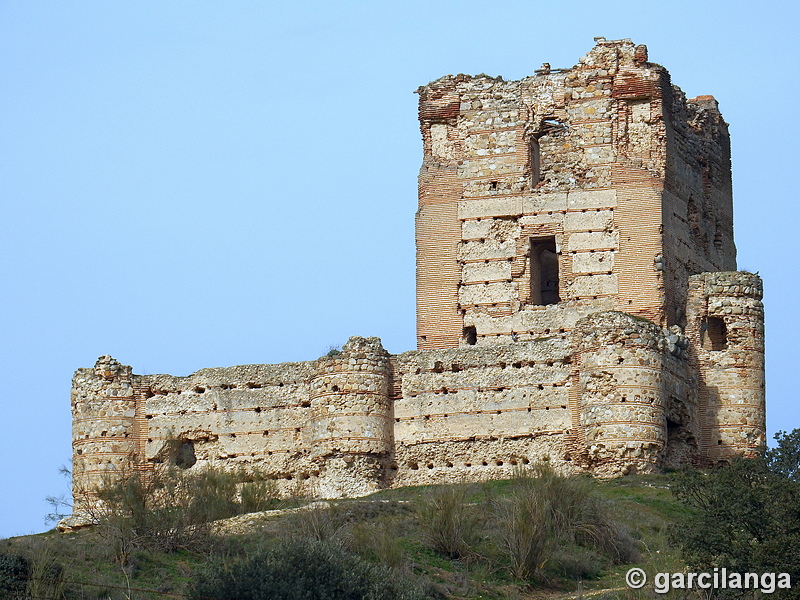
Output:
(333, 350)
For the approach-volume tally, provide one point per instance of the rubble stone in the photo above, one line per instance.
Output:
(577, 303)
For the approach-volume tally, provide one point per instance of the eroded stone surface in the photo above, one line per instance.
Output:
(577, 304)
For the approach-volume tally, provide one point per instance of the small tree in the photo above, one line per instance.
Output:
(744, 516)
(784, 459)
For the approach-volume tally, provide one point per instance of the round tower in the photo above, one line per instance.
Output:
(103, 412)
(725, 325)
(619, 391)
(351, 418)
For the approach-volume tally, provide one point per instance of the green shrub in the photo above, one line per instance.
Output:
(303, 570)
(209, 495)
(449, 524)
(259, 495)
(320, 523)
(14, 572)
(784, 459)
(577, 563)
(546, 513)
(523, 529)
(380, 542)
(170, 509)
(744, 516)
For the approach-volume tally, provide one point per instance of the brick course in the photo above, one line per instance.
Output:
(602, 180)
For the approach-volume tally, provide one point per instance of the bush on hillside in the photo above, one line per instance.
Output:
(449, 524)
(744, 516)
(14, 571)
(303, 570)
(558, 524)
(170, 509)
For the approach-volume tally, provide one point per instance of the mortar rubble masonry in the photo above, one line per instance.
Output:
(577, 303)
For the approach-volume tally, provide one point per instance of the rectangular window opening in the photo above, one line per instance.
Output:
(536, 162)
(714, 334)
(470, 335)
(544, 271)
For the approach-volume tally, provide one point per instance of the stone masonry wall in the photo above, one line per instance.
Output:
(103, 428)
(617, 395)
(629, 179)
(576, 304)
(478, 412)
(726, 328)
(620, 381)
(253, 417)
(359, 421)
(698, 198)
(351, 419)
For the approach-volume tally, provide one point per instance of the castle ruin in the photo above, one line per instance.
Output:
(577, 302)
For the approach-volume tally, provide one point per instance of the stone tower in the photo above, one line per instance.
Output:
(573, 191)
(351, 418)
(577, 303)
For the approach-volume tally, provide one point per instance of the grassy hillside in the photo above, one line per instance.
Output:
(457, 541)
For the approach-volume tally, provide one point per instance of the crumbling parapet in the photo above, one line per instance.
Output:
(725, 324)
(351, 435)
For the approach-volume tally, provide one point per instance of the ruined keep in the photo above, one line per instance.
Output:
(577, 302)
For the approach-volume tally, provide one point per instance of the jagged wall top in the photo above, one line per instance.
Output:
(606, 165)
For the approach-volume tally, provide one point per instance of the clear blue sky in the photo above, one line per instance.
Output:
(196, 184)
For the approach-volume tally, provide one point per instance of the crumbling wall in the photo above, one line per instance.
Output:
(628, 180)
(680, 403)
(615, 395)
(103, 431)
(698, 198)
(566, 223)
(725, 324)
(351, 419)
(478, 412)
(437, 233)
(251, 417)
(619, 373)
